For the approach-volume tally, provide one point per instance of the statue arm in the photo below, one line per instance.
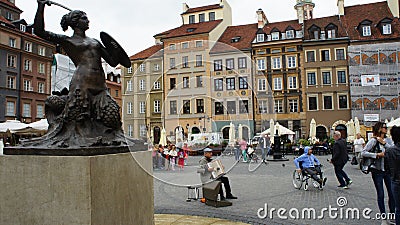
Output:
(39, 25)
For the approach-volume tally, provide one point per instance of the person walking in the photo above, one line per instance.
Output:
(358, 146)
(392, 156)
(243, 146)
(339, 160)
(264, 143)
(375, 148)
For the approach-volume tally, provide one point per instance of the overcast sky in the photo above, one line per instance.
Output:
(133, 23)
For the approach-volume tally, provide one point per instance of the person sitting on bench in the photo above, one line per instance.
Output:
(206, 176)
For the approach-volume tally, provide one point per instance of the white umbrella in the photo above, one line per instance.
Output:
(163, 138)
(391, 119)
(40, 125)
(240, 132)
(278, 127)
(386, 121)
(350, 130)
(313, 131)
(357, 125)
(178, 134)
(395, 122)
(12, 125)
(232, 134)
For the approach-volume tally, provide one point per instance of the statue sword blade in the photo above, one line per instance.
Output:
(58, 4)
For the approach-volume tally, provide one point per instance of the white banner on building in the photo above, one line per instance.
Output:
(370, 80)
(371, 117)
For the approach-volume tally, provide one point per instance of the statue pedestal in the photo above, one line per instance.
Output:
(102, 189)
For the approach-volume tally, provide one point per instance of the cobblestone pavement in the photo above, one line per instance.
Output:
(270, 186)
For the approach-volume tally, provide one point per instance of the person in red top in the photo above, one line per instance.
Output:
(181, 159)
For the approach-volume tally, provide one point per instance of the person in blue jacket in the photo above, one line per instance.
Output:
(311, 165)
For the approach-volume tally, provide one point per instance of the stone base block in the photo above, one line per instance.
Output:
(104, 189)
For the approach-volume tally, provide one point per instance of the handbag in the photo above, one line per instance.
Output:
(367, 163)
(354, 161)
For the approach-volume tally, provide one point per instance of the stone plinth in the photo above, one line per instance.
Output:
(103, 189)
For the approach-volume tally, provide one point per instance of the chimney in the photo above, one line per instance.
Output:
(262, 19)
(394, 7)
(185, 7)
(340, 5)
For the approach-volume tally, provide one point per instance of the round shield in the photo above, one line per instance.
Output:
(116, 51)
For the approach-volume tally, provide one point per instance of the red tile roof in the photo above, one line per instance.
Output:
(281, 26)
(198, 28)
(246, 33)
(6, 21)
(202, 8)
(10, 4)
(155, 49)
(375, 12)
(322, 23)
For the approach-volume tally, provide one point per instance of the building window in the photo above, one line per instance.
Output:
(276, 63)
(41, 68)
(219, 108)
(157, 85)
(200, 105)
(262, 106)
(278, 106)
(172, 83)
(142, 67)
(199, 60)
(28, 46)
(261, 64)
(172, 63)
(185, 45)
(13, 42)
(326, 78)
(262, 85)
(328, 102)
(312, 103)
(130, 130)
(290, 34)
(42, 51)
(211, 16)
(199, 44)
(293, 105)
(242, 64)
(142, 85)
(129, 108)
(218, 84)
(332, 33)
(341, 77)
(230, 64)
(28, 65)
(185, 82)
(191, 19)
(157, 106)
(244, 106)
(172, 107)
(130, 70)
(291, 61)
(143, 131)
(325, 55)
(230, 83)
(185, 61)
(292, 82)
(260, 37)
(26, 110)
(199, 81)
(11, 61)
(387, 28)
(39, 111)
(343, 102)
(202, 17)
(217, 65)
(186, 106)
(311, 78)
(366, 30)
(310, 56)
(243, 83)
(231, 107)
(275, 35)
(156, 67)
(277, 83)
(11, 82)
(10, 111)
(142, 107)
(9, 16)
(41, 87)
(340, 54)
(27, 85)
(172, 47)
(116, 93)
(129, 85)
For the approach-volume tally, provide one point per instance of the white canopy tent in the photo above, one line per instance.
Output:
(12, 126)
(395, 122)
(281, 130)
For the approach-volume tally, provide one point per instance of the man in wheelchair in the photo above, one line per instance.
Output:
(310, 165)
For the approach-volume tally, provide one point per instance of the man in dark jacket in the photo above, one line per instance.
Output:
(339, 159)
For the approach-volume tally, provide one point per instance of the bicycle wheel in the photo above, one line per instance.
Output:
(254, 162)
(297, 180)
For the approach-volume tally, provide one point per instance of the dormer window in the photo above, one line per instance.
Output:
(387, 29)
(191, 19)
(331, 31)
(275, 35)
(314, 32)
(260, 37)
(189, 30)
(211, 16)
(290, 34)
(22, 27)
(366, 30)
(235, 39)
(202, 17)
